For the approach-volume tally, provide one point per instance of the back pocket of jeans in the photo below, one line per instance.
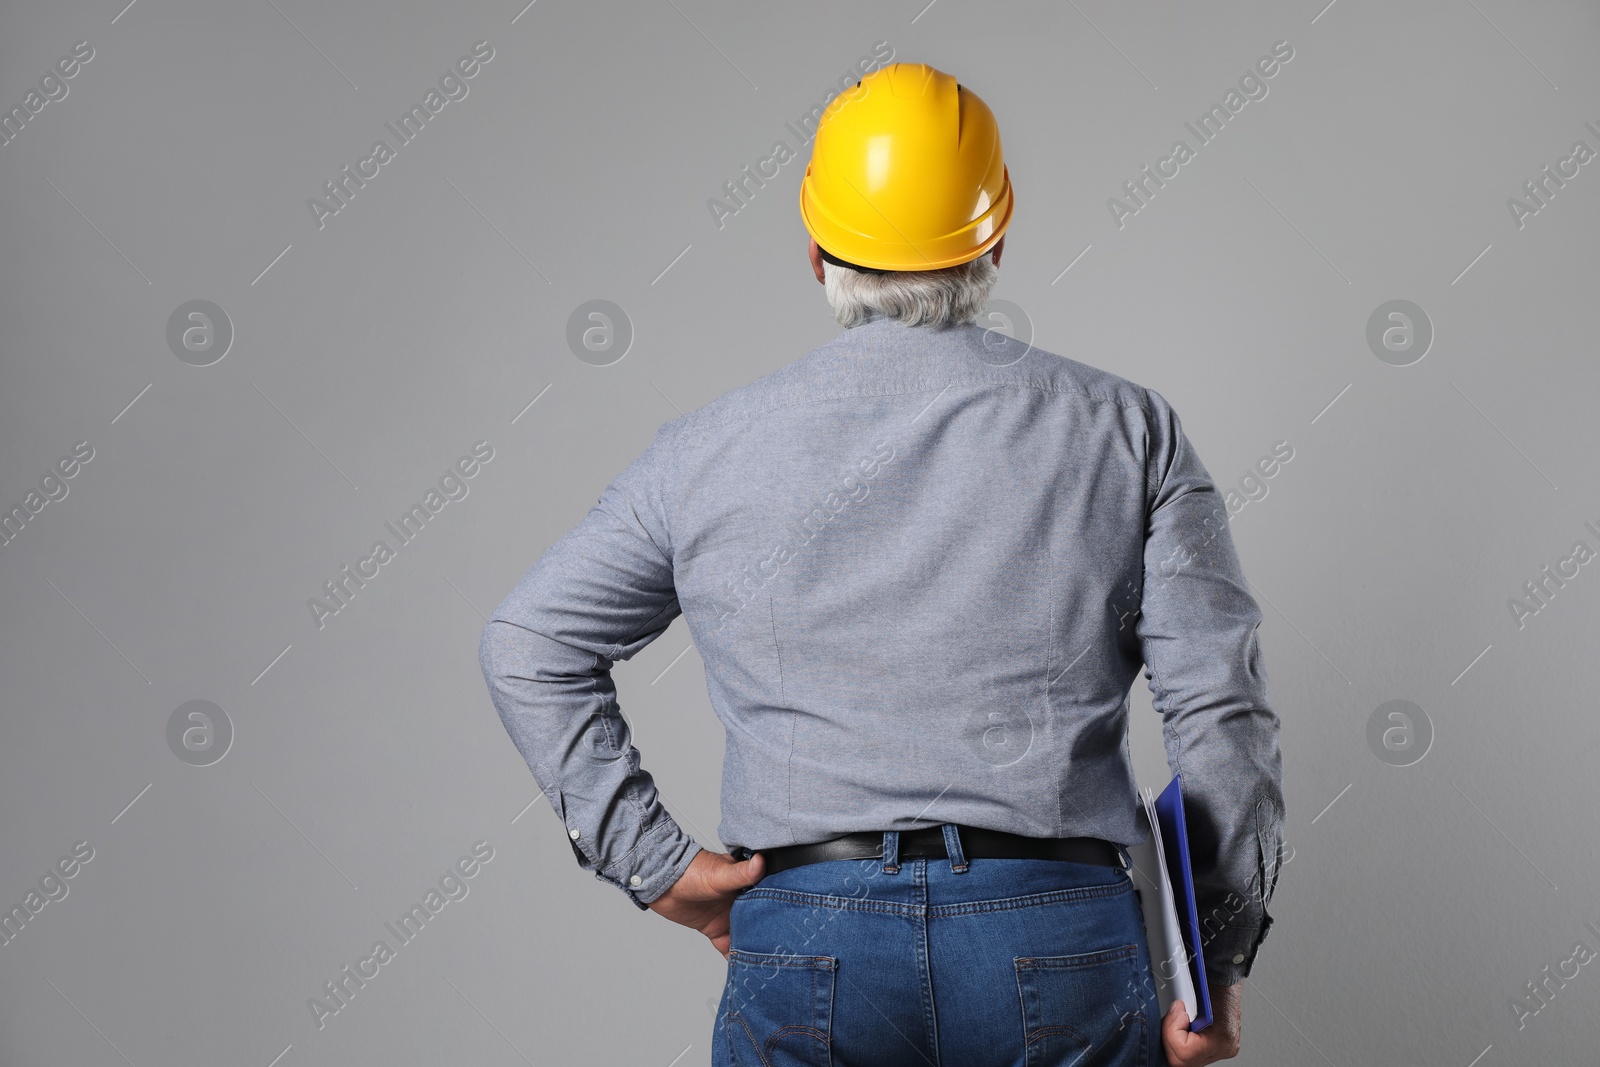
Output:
(1086, 1009)
(780, 1009)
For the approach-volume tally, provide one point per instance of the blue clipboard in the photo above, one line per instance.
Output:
(1175, 844)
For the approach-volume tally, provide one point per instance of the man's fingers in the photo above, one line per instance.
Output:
(734, 875)
(1175, 1034)
(1185, 1048)
(720, 875)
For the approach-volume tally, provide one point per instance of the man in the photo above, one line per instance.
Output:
(923, 565)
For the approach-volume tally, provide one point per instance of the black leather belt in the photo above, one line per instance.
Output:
(928, 843)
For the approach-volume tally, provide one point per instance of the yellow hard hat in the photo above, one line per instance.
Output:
(906, 173)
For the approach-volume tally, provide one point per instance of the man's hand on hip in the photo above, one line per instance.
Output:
(703, 895)
(1219, 1041)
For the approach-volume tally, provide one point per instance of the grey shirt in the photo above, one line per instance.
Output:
(923, 567)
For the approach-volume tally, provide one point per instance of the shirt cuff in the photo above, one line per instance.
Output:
(651, 867)
(1230, 951)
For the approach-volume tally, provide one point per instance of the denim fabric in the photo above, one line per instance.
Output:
(922, 568)
(975, 963)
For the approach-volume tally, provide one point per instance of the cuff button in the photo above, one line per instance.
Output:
(636, 880)
(1238, 957)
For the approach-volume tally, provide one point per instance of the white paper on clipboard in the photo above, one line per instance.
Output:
(1169, 959)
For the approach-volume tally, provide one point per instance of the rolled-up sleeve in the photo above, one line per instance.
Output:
(599, 594)
(1199, 631)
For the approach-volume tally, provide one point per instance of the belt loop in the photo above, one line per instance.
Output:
(891, 852)
(952, 846)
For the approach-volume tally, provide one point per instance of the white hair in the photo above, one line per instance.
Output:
(940, 297)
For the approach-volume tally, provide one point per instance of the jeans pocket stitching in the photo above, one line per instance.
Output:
(1059, 1028)
(1034, 1009)
(807, 960)
(1079, 960)
(818, 1004)
(738, 1020)
(783, 1031)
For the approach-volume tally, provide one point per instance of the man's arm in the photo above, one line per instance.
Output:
(599, 594)
(1198, 628)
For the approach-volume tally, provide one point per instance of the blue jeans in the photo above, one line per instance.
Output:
(945, 962)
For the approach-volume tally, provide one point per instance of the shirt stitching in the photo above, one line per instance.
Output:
(609, 707)
(616, 864)
(1049, 665)
(772, 617)
(919, 387)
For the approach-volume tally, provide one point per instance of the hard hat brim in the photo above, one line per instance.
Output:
(866, 249)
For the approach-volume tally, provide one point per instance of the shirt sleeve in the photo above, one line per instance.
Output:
(1198, 630)
(599, 594)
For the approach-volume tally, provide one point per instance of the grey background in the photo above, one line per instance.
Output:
(433, 309)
